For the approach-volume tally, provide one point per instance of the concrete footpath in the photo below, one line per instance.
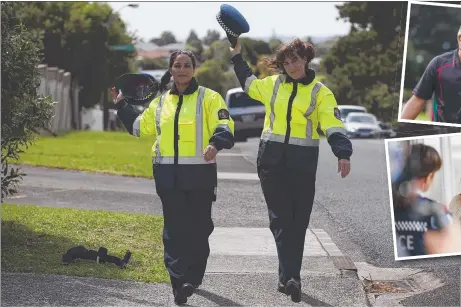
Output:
(242, 268)
(240, 272)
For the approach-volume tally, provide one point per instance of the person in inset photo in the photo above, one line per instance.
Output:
(442, 81)
(455, 205)
(423, 226)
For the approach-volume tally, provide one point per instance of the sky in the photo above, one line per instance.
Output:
(300, 19)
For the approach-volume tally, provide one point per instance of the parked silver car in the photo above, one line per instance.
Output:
(346, 109)
(362, 125)
(247, 113)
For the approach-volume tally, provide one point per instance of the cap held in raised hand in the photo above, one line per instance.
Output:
(233, 22)
(137, 88)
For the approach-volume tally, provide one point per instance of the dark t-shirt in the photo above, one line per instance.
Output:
(442, 78)
(410, 228)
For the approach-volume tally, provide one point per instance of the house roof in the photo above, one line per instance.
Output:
(146, 46)
(153, 54)
(153, 51)
(172, 47)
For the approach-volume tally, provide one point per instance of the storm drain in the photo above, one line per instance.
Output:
(389, 286)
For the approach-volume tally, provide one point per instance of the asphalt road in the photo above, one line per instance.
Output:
(356, 213)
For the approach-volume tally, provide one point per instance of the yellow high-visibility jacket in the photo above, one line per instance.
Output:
(182, 126)
(294, 111)
(312, 104)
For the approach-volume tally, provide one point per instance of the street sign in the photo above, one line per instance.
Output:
(126, 48)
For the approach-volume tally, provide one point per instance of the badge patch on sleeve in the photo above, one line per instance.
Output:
(337, 113)
(223, 114)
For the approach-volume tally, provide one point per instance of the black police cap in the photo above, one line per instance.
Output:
(233, 22)
(137, 88)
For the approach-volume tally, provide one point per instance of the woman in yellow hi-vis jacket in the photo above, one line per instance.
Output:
(296, 104)
(190, 124)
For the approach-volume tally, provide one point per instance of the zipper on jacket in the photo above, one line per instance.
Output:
(176, 130)
(290, 106)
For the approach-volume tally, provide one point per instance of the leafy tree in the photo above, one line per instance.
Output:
(322, 49)
(211, 37)
(76, 37)
(219, 51)
(253, 49)
(274, 43)
(166, 38)
(23, 110)
(192, 37)
(211, 74)
(364, 67)
(194, 44)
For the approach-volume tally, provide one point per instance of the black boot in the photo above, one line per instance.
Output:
(282, 288)
(293, 288)
(182, 293)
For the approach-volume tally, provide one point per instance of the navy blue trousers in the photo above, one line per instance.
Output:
(289, 196)
(187, 227)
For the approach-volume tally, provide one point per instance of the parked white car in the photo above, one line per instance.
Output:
(346, 109)
(360, 124)
(248, 114)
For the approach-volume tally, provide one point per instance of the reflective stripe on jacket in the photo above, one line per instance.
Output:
(195, 118)
(181, 127)
(295, 109)
(311, 105)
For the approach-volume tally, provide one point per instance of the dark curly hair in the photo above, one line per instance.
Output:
(303, 49)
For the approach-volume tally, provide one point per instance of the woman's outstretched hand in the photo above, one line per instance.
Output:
(344, 167)
(237, 49)
(210, 153)
(116, 97)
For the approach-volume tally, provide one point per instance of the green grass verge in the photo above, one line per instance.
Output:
(35, 238)
(108, 152)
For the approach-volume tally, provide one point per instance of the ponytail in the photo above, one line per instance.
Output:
(164, 81)
(421, 161)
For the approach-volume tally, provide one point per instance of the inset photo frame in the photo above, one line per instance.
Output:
(424, 178)
(430, 90)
